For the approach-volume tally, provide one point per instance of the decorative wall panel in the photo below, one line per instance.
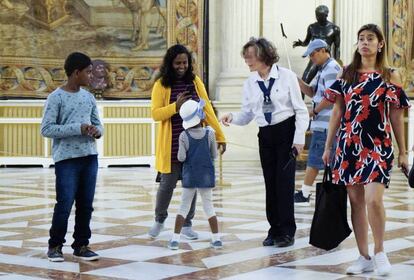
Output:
(126, 38)
(400, 39)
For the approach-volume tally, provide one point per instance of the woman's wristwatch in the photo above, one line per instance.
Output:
(314, 112)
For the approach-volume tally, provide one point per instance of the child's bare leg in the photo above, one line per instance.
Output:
(213, 224)
(175, 239)
(179, 221)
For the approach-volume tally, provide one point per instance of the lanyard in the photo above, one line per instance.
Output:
(266, 91)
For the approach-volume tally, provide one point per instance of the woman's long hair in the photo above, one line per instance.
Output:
(350, 74)
(167, 73)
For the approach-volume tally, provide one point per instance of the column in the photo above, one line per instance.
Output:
(239, 20)
(350, 15)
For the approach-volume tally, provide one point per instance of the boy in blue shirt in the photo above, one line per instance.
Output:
(197, 150)
(71, 119)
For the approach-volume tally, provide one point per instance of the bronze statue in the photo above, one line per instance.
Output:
(322, 29)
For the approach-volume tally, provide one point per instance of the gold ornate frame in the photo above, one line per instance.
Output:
(132, 77)
(400, 40)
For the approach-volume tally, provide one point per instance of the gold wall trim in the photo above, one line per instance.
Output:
(21, 140)
(261, 17)
(21, 112)
(127, 140)
(127, 112)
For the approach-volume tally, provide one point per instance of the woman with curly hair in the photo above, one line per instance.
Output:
(176, 84)
(271, 96)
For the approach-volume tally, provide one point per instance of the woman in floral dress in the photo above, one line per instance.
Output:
(368, 101)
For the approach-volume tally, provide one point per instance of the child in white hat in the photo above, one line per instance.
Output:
(197, 150)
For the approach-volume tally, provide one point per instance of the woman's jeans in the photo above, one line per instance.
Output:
(75, 181)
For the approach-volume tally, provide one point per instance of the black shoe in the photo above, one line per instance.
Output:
(269, 241)
(55, 254)
(284, 241)
(85, 253)
(301, 200)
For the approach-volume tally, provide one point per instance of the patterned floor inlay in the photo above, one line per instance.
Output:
(124, 204)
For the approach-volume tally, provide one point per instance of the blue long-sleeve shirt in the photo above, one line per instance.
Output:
(64, 113)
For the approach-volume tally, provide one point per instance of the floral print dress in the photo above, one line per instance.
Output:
(364, 152)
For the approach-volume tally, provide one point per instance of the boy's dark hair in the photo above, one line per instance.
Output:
(167, 74)
(76, 61)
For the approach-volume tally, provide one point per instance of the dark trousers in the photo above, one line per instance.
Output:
(275, 143)
(75, 181)
(165, 192)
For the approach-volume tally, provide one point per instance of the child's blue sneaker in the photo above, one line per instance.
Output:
(217, 244)
(173, 245)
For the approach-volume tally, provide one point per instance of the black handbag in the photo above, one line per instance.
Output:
(329, 224)
(410, 176)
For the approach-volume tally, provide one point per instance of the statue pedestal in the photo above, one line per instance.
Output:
(47, 14)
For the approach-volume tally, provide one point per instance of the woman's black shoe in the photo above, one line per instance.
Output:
(284, 241)
(268, 241)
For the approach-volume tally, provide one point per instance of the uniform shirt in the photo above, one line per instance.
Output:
(285, 95)
(64, 113)
(325, 77)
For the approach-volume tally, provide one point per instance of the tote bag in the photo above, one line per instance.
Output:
(329, 224)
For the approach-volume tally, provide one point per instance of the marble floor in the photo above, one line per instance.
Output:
(124, 204)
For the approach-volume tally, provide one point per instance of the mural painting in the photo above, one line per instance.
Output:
(127, 38)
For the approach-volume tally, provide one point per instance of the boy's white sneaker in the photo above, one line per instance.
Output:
(361, 265)
(382, 264)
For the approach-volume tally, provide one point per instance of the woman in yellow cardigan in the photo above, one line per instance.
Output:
(176, 84)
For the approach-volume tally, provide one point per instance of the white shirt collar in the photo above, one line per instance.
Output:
(274, 73)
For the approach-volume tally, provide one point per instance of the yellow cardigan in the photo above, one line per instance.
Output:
(162, 111)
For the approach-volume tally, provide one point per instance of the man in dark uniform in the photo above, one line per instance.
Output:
(322, 29)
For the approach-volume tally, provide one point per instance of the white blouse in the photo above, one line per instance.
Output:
(285, 95)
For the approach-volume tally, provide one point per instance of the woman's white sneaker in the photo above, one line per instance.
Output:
(382, 264)
(361, 265)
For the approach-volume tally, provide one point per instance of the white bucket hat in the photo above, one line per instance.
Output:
(192, 113)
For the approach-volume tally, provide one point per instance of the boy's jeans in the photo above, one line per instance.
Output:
(75, 181)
